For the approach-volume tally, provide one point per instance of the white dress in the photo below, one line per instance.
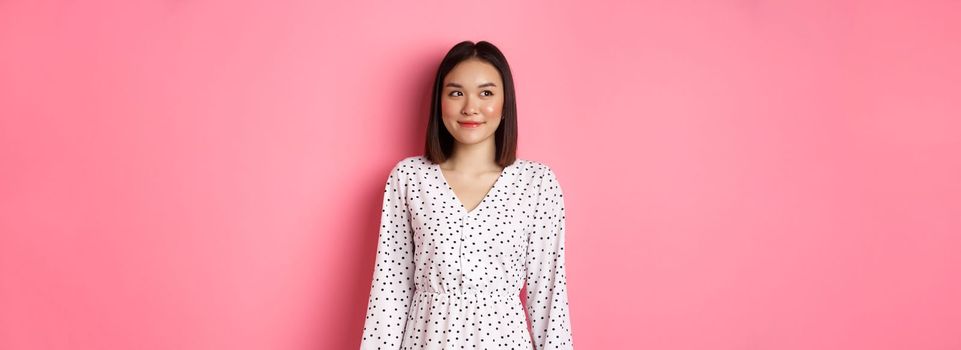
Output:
(446, 278)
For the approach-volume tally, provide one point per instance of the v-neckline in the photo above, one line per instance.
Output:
(483, 200)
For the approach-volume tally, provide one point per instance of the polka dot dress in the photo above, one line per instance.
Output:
(449, 278)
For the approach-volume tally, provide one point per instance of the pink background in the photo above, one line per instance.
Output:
(739, 174)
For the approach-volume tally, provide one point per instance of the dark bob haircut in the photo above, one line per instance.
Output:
(440, 143)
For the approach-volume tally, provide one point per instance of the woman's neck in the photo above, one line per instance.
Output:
(474, 158)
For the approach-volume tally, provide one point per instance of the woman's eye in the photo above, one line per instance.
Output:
(453, 92)
(490, 93)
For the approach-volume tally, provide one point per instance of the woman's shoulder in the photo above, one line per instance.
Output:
(410, 165)
(533, 166)
(412, 161)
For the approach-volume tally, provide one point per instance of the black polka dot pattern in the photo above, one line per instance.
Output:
(449, 278)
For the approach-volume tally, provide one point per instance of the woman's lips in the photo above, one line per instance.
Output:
(469, 125)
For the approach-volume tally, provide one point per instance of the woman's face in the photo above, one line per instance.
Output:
(472, 101)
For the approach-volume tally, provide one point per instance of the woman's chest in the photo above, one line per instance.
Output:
(502, 219)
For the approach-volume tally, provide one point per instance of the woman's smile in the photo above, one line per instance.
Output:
(470, 125)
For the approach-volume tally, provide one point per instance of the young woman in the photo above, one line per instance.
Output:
(467, 224)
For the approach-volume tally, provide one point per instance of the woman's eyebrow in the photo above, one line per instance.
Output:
(456, 85)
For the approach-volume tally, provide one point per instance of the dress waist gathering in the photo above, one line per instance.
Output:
(470, 293)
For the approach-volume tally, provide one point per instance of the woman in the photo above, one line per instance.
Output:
(465, 225)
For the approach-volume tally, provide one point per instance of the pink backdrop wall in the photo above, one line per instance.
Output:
(739, 174)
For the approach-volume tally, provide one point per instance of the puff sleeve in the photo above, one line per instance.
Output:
(546, 278)
(392, 288)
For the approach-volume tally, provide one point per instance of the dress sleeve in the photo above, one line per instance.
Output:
(392, 288)
(546, 280)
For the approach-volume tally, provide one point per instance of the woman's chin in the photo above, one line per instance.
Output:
(471, 138)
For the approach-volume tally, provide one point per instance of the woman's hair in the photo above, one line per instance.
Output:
(440, 143)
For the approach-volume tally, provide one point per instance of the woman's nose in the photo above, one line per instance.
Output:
(469, 107)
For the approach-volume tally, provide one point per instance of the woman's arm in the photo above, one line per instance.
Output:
(392, 288)
(547, 306)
